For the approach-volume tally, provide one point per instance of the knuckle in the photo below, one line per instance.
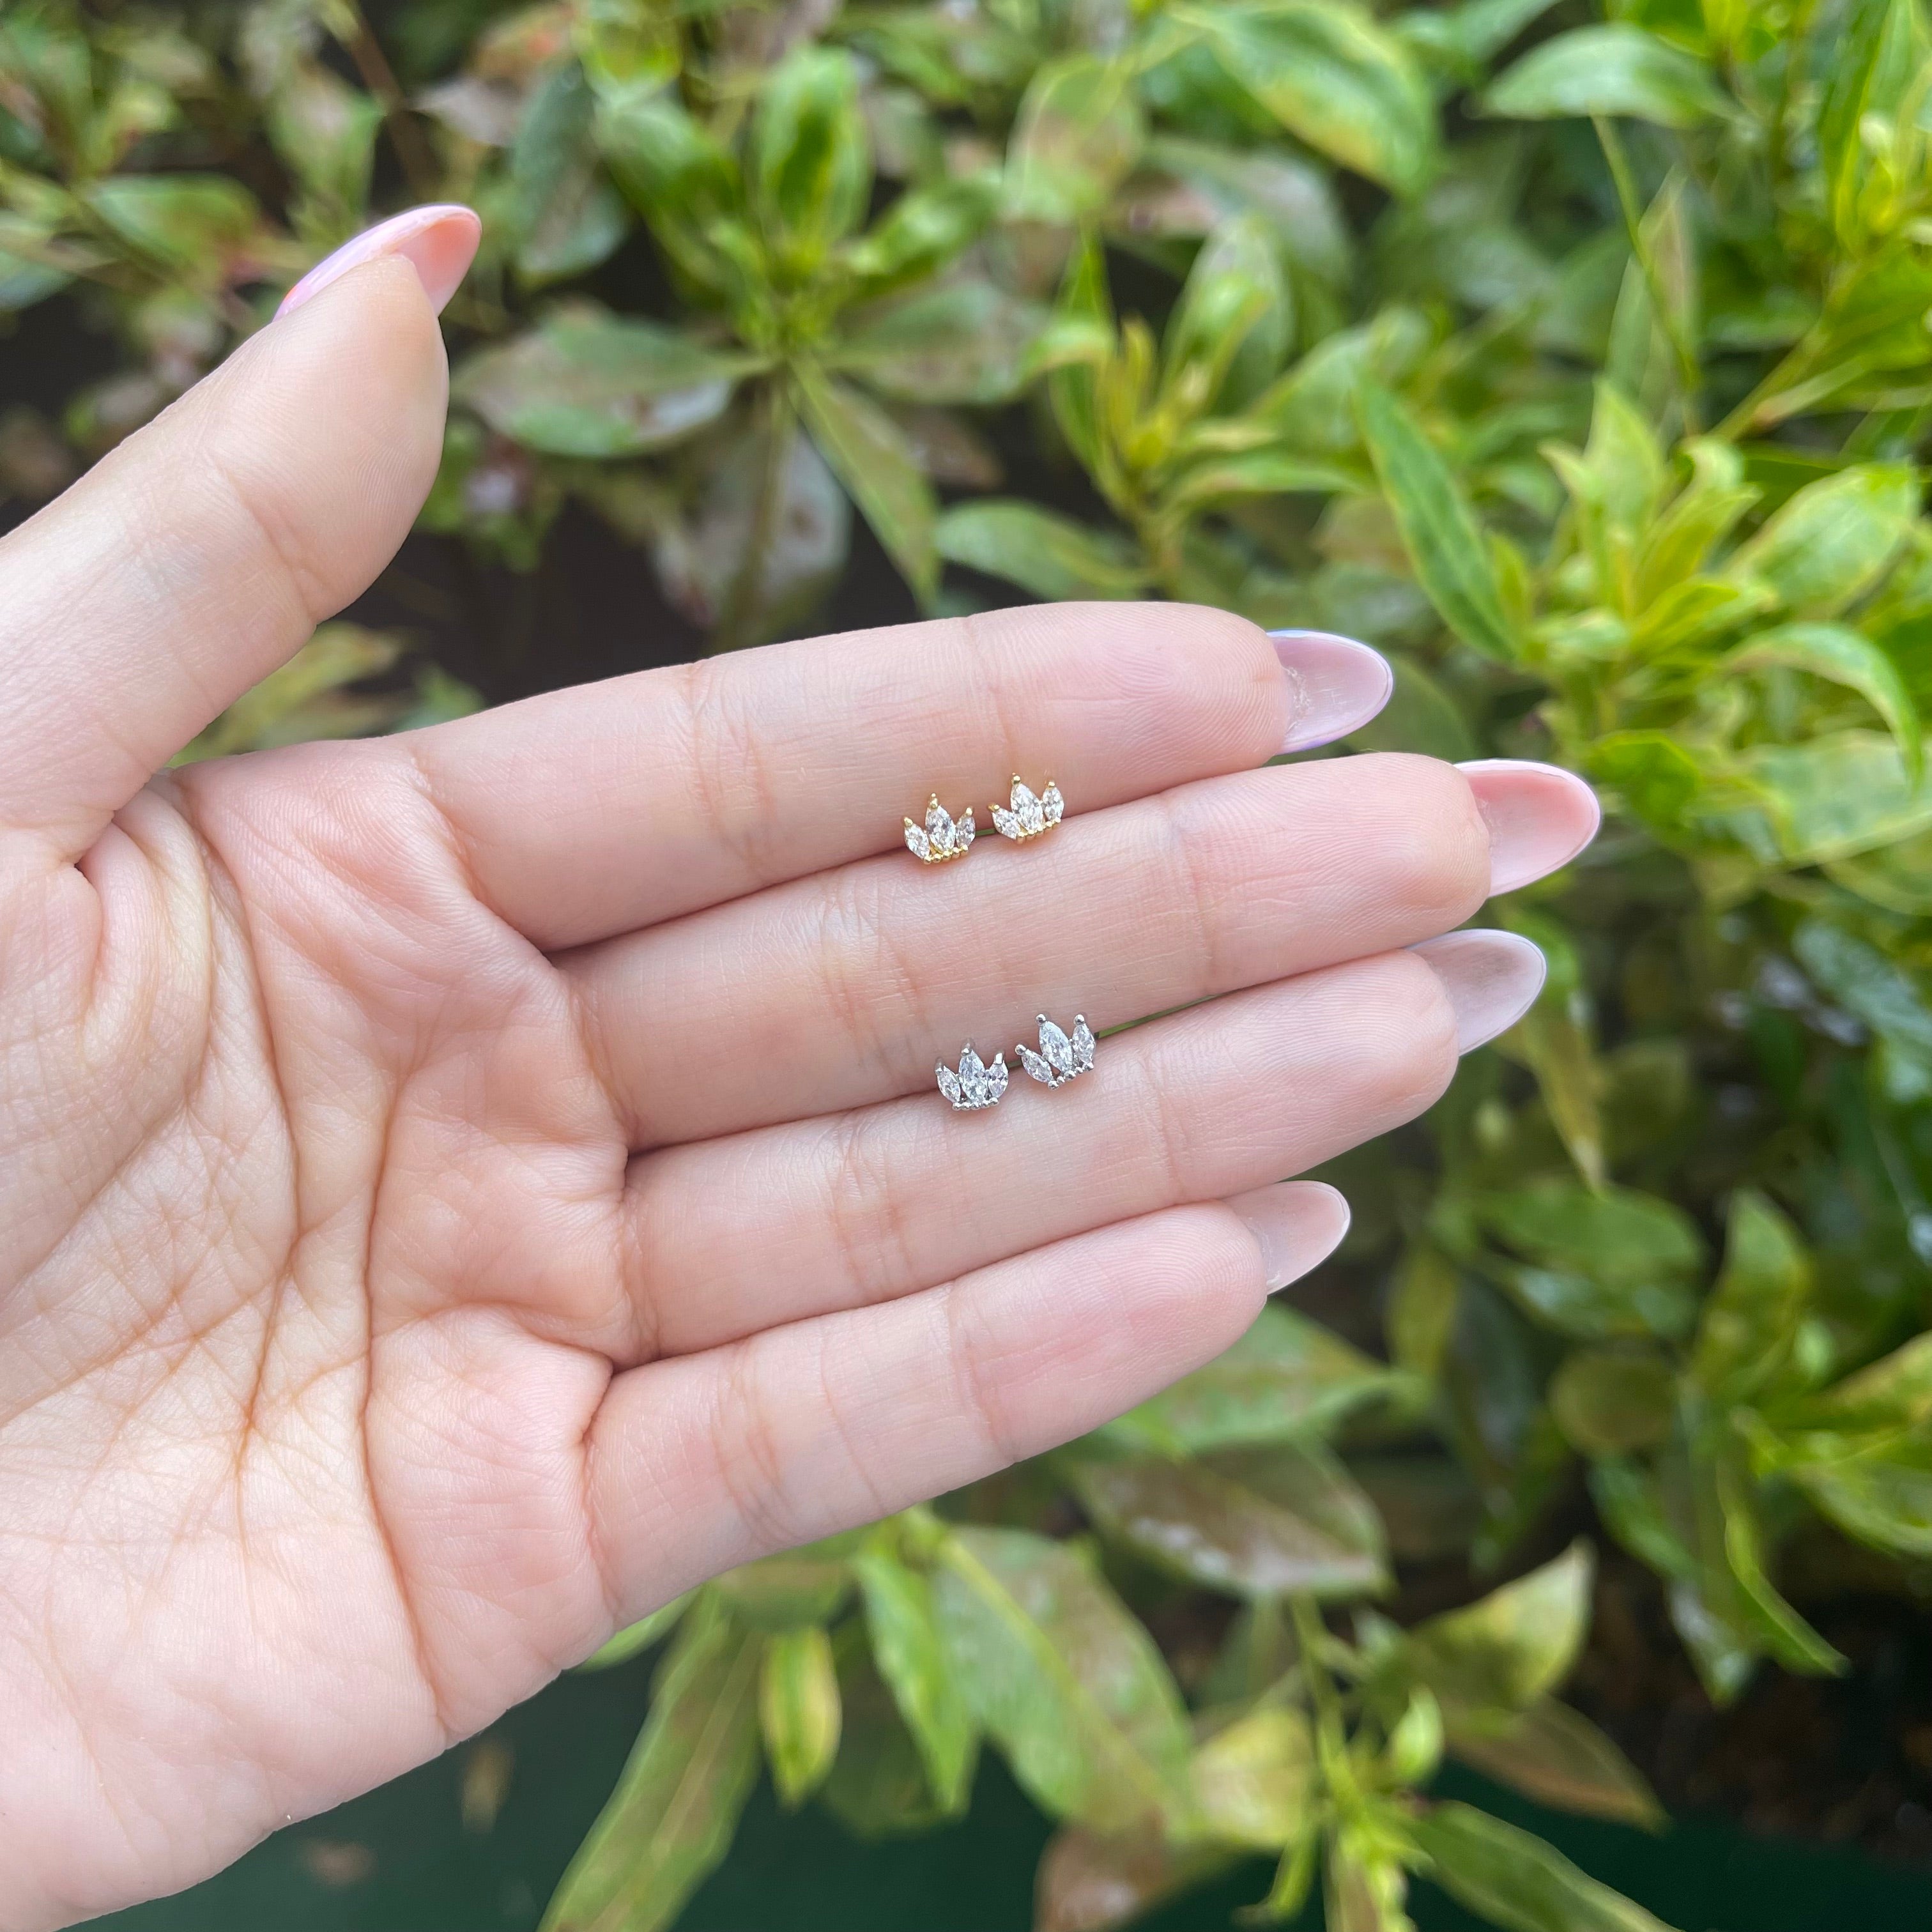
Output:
(733, 782)
(1434, 843)
(1408, 1053)
(868, 982)
(866, 1212)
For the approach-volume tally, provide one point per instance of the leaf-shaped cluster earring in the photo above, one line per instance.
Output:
(1024, 816)
(973, 1085)
(1062, 1056)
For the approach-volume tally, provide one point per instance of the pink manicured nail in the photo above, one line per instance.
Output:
(1492, 979)
(1338, 684)
(1540, 817)
(1297, 1223)
(438, 241)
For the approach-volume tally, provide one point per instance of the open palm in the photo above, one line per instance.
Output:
(459, 1190)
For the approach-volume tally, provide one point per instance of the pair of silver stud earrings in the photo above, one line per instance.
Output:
(1024, 816)
(1062, 1058)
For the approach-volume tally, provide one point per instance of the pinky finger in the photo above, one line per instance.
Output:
(701, 1462)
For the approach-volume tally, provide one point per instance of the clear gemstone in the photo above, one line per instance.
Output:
(1058, 1048)
(965, 829)
(1052, 804)
(1005, 823)
(1037, 1066)
(949, 1083)
(1083, 1046)
(917, 842)
(939, 826)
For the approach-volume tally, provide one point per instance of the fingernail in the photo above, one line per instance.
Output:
(1296, 1223)
(1540, 817)
(1338, 685)
(1492, 979)
(438, 241)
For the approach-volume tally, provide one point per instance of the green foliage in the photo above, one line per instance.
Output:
(1579, 361)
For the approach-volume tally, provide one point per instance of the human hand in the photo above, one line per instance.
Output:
(460, 1190)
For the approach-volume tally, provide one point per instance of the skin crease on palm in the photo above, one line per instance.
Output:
(458, 1191)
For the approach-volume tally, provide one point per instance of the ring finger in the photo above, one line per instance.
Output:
(785, 1223)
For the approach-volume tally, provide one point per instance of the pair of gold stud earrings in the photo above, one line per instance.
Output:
(1024, 816)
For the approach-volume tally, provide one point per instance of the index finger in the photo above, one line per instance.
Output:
(594, 810)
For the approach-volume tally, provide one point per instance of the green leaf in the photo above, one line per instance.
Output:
(1834, 540)
(1452, 563)
(1229, 330)
(1614, 71)
(1870, 53)
(1844, 656)
(924, 229)
(1508, 1649)
(877, 1787)
(189, 224)
(869, 453)
(1516, 1881)
(911, 1658)
(1785, 1634)
(670, 1822)
(1464, 38)
(629, 48)
(682, 180)
(587, 383)
(1063, 1678)
(1750, 1321)
(798, 1711)
(1557, 1757)
(778, 1593)
(1288, 1379)
(1864, 981)
(1252, 1783)
(568, 217)
(964, 342)
(1077, 132)
(1248, 1523)
(808, 159)
(1334, 77)
(1049, 554)
(1894, 1392)
(1603, 1264)
(1880, 1494)
(639, 1636)
(306, 699)
(1608, 1402)
(1837, 795)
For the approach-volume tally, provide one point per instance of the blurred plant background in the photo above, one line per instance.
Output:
(1582, 361)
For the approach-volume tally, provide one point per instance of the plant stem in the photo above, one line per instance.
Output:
(412, 152)
(741, 603)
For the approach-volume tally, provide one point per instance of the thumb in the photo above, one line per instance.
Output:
(200, 554)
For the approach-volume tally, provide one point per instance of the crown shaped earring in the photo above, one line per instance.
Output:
(942, 837)
(1024, 817)
(975, 1085)
(1060, 1058)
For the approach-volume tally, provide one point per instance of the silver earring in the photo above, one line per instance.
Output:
(1059, 1059)
(975, 1085)
(1024, 817)
(941, 837)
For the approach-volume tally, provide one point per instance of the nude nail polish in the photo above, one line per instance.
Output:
(1540, 817)
(1338, 685)
(1492, 980)
(438, 241)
